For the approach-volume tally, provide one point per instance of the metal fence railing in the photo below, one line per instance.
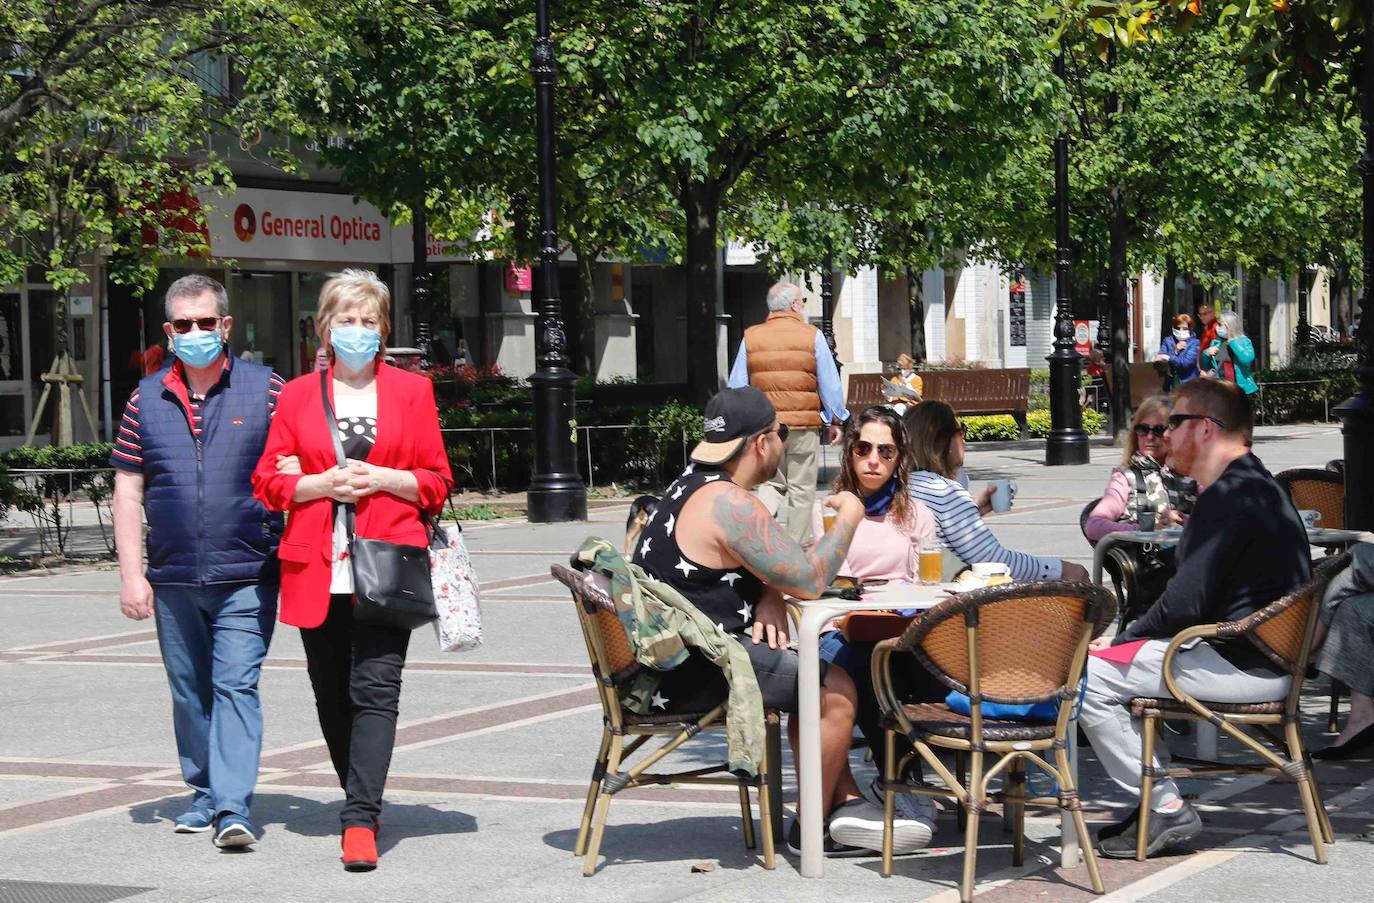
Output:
(503, 457)
(49, 497)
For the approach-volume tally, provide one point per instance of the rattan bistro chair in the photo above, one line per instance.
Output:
(1283, 631)
(1317, 490)
(1321, 490)
(624, 732)
(1012, 644)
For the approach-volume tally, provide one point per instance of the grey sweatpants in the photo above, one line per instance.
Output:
(1200, 671)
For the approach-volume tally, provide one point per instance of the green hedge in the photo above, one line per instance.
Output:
(1003, 428)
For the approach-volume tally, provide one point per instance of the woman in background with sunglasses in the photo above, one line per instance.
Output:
(874, 466)
(1142, 494)
(937, 444)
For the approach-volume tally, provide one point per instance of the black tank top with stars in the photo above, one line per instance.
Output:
(728, 596)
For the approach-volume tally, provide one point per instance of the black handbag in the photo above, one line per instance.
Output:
(391, 585)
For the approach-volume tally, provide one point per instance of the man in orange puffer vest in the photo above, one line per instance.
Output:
(789, 361)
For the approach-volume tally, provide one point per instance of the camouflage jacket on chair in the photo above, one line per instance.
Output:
(662, 625)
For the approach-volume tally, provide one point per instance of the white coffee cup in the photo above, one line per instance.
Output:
(1003, 491)
(1310, 517)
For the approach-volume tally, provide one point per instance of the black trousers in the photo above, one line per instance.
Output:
(355, 670)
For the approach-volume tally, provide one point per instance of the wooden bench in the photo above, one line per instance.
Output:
(967, 391)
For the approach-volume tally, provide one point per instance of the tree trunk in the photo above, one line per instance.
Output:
(1118, 231)
(701, 204)
(1170, 307)
(584, 314)
(915, 288)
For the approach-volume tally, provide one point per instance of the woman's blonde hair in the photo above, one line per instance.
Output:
(1147, 407)
(347, 289)
(1231, 320)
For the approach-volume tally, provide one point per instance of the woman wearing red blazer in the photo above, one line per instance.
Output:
(389, 427)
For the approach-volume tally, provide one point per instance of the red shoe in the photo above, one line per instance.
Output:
(359, 849)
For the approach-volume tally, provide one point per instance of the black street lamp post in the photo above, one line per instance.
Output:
(556, 492)
(1067, 443)
(828, 305)
(1304, 334)
(1357, 414)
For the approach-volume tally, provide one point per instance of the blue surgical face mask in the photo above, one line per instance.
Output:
(1221, 332)
(355, 346)
(1182, 334)
(198, 349)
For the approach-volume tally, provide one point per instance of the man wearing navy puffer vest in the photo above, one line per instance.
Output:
(188, 443)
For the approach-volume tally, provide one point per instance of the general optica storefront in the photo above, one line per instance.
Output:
(282, 246)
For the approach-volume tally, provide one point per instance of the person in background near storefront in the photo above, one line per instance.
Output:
(1180, 352)
(388, 426)
(1207, 316)
(1231, 355)
(185, 451)
(789, 360)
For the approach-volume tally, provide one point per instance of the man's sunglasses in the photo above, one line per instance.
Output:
(782, 431)
(1177, 420)
(862, 449)
(1142, 430)
(205, 323)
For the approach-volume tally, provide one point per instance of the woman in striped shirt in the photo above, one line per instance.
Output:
(937, 439)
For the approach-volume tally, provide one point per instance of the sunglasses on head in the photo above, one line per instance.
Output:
(1142, 430)
(206, 324)
(863, 449)
(1177, 420)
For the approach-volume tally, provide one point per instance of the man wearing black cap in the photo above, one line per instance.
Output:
(715, 543)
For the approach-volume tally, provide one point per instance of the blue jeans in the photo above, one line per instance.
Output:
(213, 640)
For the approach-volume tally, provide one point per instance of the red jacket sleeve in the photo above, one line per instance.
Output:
(431, 470)
(274, 489)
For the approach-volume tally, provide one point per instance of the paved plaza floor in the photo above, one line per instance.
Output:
(495, 748)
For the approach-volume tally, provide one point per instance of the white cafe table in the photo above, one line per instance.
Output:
(811, 616)
(1322, 536)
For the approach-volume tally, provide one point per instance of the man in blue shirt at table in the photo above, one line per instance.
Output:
(790, 361)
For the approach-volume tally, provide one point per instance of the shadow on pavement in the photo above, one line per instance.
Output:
(311, 818)
(677, 840)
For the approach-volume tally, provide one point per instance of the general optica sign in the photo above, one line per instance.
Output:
(296, 225)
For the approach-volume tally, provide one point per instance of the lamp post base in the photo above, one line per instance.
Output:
(1066, 446)
(1357, 429)
(557, 498)
(556, 493)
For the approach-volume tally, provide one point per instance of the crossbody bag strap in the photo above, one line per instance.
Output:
(1142, 506)
(338, 447)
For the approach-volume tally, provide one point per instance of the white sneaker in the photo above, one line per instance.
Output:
(862, 826)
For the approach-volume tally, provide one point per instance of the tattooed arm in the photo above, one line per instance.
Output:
(751, 535)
